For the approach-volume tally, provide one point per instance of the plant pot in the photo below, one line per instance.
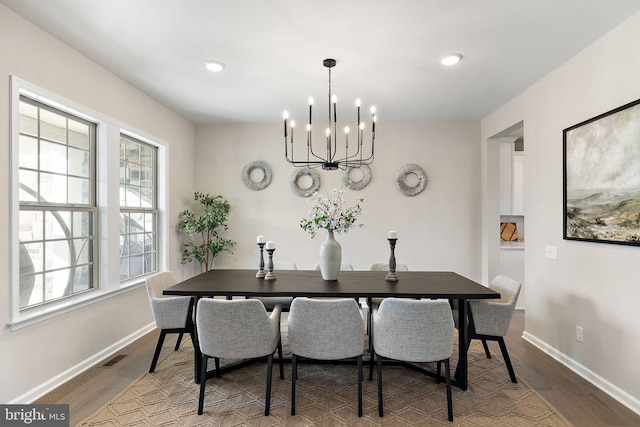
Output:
(330, 257)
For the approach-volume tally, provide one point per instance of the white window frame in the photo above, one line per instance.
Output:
(143, 210)
(108, 282)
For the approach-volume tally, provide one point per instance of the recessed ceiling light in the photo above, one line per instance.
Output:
(451, 59)
(214, 66)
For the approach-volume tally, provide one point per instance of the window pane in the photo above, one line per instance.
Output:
(28, 156)
(82, 278)
(28, 119)
(147, 156)
(31, 290)
(133, 152)
(79, 191)
(28, 186)
(83, 251)
(79, 162)
(79, 135)
(124, 268)
(82, 224)
(31, 258)
(133, 174)
(57, 225)
(136, 266)
(150, 222)
(136, 222)
(53, 126)
(58, 254)
(146, 197)
(146, 177)
(30, 226)
(150, 263)
(53, 188)
(53, 157)
(57, 284)
(132, 195)
(149, 242)
(136, 244)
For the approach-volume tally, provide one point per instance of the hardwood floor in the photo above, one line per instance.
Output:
(579, 401)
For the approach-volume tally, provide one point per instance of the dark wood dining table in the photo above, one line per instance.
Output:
(350, 284)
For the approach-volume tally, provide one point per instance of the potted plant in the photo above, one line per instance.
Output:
(203, 228)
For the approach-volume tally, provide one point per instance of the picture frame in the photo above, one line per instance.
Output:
(601, 178)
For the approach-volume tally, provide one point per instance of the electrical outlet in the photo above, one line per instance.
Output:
(551, 252)
(579, 334)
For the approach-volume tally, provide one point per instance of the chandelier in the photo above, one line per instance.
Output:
(329, 153)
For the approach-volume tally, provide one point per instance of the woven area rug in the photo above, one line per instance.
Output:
(326, 396)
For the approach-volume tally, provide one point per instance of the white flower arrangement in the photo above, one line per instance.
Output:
(328, 212)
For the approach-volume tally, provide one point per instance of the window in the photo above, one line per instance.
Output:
(138, 208)
(57, 203)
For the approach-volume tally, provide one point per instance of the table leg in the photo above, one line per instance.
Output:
(463, 333)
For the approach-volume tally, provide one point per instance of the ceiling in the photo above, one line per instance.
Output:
(387, 52)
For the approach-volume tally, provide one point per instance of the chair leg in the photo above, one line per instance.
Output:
(203, 380)
(371, 356)
(178, 341)
(267, 400)
(360, 386)
(447, 373)
(163, 333)
(380, 410)
(294, 375)
(217, 361)
(438, 371)
(486, 348)
(507, 360)
(371, 352)
(280, 359)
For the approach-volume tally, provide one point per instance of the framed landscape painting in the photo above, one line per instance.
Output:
(602, 178)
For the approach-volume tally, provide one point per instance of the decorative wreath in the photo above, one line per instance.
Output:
(304, 192)
(401, 180)
(357, 185)
(266, 175)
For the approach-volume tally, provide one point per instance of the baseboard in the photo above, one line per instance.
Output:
(603, 384)
(55, 382)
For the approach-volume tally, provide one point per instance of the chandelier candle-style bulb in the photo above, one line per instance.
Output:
(354, 157)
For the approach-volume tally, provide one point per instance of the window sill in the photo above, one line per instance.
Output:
(49, 311)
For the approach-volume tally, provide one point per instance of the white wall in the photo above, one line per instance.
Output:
(591, 285)
(38, 356)
(438, 229)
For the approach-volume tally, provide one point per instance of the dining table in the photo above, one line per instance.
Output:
(449, 285)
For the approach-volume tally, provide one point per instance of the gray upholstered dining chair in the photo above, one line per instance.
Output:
(173, 315)
(284, 302)
(375, 302)
(489, 320)
(237, 329)
(414, 331)
(325, 329)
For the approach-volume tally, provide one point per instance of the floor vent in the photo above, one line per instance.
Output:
(115, 360)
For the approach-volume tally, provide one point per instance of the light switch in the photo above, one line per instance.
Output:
(551, 252)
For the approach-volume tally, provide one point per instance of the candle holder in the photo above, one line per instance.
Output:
(392, 276)
(261, 273)
(270, 274)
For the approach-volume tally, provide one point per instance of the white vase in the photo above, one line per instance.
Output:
(330, 257)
